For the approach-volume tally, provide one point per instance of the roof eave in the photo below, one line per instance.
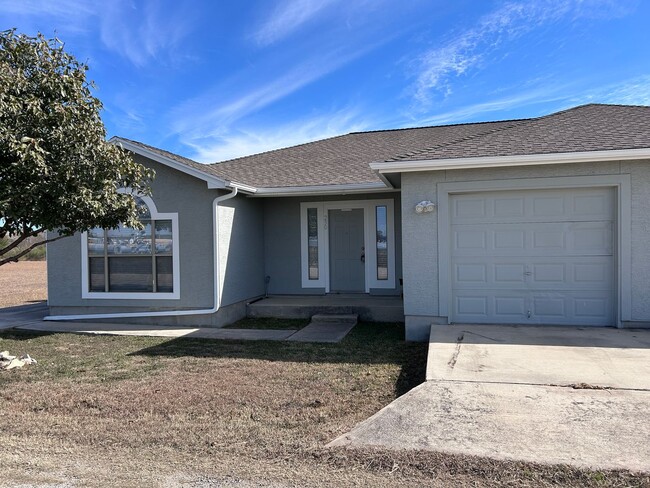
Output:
(344, 189)
(212, 181)
(406, 166)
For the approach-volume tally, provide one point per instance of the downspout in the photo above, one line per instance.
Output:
(172, 313)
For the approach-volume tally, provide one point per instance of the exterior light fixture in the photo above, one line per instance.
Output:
(425, 206)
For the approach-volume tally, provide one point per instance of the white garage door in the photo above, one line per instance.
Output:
(533, 257)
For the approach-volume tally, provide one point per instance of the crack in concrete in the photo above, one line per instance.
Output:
(454, 357)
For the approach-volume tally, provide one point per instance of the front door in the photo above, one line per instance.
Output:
(347, 252)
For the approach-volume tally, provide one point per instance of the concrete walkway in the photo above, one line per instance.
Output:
(160, 331)
(489, 393)
(326, 328)
(30, 318)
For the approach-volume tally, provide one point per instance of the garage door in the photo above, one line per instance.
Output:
(533, 257)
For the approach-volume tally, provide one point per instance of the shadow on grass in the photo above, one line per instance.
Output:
(24, 334)
(367, 343)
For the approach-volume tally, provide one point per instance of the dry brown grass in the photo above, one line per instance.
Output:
(128, 411)
(23, 282)
(131, 411)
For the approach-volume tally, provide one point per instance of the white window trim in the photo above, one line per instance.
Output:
(623, 199)
(107, 295)
(370, 236)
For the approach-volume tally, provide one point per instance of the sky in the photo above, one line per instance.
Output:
(217, 79)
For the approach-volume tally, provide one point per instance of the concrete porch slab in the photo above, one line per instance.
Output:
(597, 356)
(369, 308)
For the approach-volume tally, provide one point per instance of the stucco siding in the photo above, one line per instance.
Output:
(282, 241)
(172, 192)
(640, 176)
(241, 249)
(420, 243)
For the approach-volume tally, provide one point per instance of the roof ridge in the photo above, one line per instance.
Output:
(443, 125)
(511, 123)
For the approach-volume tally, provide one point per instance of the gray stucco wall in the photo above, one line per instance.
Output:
(173, 191)
(420, 246)
(282, 241)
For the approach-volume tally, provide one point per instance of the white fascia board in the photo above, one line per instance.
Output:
(504, 161)
(242, 187)
(321, 189)
(212, 181)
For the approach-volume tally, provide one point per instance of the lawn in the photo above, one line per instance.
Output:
(130, 411)
(139, 411)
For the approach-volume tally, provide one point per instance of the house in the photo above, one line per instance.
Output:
(533, 221)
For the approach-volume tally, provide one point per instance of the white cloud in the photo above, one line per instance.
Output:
(140, 31)
(70, 16)
(246, 141)
(144, 31)
(635, 91)
(287, 17)
(192, 117)
(470, 49)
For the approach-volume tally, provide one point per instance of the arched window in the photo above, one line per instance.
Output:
(133, 263)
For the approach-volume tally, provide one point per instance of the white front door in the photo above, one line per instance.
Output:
(533, 257)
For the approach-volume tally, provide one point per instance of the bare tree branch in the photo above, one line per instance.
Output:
(14, 259)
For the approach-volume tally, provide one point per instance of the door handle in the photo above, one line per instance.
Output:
(363, 254)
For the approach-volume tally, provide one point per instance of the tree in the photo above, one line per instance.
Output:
(57, 171)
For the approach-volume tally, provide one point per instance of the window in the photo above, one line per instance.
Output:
(133, 263)
(381, 230)
(312, 242)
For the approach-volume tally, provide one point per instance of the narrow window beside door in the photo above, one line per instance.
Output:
(382, 242)
(312, 243)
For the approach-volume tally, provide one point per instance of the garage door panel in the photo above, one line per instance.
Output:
(531, 273)
(533, 239)
(533, 257)
(578, 204)
(585, 308)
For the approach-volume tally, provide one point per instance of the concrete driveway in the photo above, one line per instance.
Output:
(579, 396)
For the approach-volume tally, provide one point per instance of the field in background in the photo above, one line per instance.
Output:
(22, 283)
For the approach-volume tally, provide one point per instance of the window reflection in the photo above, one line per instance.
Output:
(382, 242)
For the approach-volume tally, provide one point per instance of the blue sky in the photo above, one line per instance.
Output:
(216, 79)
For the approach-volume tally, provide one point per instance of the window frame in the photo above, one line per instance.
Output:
(108, 295)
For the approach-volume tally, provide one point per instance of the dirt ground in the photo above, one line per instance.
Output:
(23, 282)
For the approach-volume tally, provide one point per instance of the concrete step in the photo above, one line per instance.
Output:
(336, 318)
(369, 309)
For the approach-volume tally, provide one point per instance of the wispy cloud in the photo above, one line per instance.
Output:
(71, 16)
(141, 32)
(192, 119)
(144, 31)
(287, 17)
(634, 91)
(252, 140)
(470, 49)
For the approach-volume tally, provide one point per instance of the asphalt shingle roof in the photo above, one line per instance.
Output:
(585, 128)
(345, 159)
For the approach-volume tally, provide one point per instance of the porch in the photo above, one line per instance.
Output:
(368, 308)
